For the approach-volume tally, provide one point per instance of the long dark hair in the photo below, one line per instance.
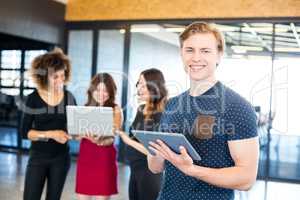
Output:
(110, 86)
(155, 83)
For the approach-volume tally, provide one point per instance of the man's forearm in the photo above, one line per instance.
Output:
(232, 177)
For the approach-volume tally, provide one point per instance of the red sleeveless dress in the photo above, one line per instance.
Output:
(96, 169)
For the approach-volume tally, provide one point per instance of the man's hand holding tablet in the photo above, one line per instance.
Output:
(172, 140)
(182, 160)
(173, 147)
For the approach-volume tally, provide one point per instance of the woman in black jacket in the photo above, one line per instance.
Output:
(143, 184)
(44, 123)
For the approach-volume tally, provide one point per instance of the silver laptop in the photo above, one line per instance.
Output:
(90, 119)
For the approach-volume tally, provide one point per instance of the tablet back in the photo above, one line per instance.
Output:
(173, 140)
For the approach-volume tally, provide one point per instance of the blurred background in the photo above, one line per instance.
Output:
(261, 62)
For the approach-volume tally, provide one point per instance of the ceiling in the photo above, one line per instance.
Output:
(241, 38)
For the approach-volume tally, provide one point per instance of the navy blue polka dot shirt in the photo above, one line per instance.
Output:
(208, 121)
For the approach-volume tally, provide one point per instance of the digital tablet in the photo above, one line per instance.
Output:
(90, 119)
(173, 140)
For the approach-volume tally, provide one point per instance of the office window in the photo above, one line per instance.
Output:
(30, 55)
(285, 132)
(11, 59)
(154, 46)
(110, 57)
(10, 78)
(80, 53)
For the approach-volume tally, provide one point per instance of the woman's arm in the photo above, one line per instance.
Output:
(127, 140)
(118, 118)
(59, 136)
(35, 135)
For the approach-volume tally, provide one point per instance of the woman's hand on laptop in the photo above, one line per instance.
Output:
(106, 141)
(91, 137)
(100, 140)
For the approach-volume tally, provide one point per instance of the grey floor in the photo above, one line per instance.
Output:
(284, 164)
(284, 156)
(12, 170)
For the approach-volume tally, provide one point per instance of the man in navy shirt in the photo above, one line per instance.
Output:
(219, 123)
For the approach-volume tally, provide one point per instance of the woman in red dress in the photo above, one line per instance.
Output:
(96, 166)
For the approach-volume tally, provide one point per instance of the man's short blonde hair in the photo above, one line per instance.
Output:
(203, 27)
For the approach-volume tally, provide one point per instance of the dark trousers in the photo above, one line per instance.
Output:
(143, 184)
(42, 168)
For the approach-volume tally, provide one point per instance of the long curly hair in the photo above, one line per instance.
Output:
(48, 63)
